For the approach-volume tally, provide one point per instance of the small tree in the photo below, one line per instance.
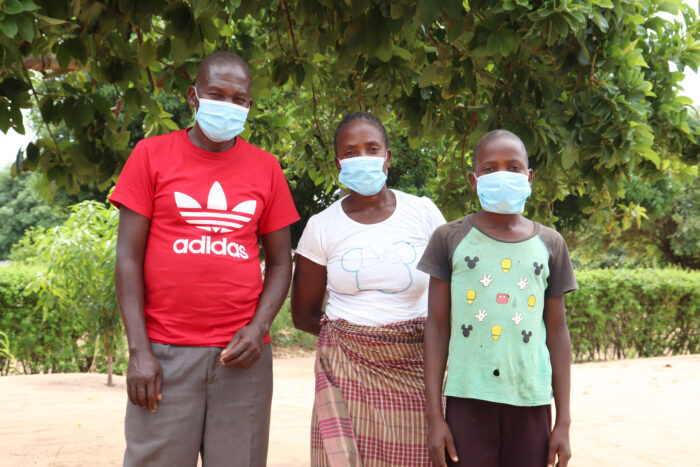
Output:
(80, 258)
(5, 347)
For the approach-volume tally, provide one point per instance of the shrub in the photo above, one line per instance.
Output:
(283, 334)
(625, 313)
(79, 276)
(41, 342)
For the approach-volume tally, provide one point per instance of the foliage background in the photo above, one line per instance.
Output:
(588, 84)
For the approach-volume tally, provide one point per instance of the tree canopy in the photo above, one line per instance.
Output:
(587, 84)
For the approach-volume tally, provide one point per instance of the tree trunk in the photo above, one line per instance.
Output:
(91, 368)
(109, 361)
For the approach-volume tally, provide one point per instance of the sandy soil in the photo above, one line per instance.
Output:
(626, 413)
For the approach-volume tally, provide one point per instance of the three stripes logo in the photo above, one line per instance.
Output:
(215, 217)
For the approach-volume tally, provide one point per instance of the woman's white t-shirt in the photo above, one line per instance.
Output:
(371, 268)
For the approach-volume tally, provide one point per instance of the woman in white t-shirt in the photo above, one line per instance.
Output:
(363, 250)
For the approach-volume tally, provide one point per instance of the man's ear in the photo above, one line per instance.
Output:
(387, 162)
(192, 97)
(530, 175)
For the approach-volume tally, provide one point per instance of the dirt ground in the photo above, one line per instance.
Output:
(643, 412)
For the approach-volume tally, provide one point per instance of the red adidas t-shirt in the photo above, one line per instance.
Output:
(201, 269)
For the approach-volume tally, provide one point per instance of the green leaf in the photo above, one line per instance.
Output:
(402, 53)
(427, 11)
(451, 8)
(599, 20)
(670, 6)
(8, 26)
(280, 72)
(429, 74)
(29, 5)
(507, 40)
(63, 55)
(4, 120)
(147, 54)
(299, 74)
(492, 45)
(72, 48)
(26, 27)
(386, 48)
(651, 155)
(180, 50)
(13, 7)
(569, 155)
(48, 20)
(635, 59)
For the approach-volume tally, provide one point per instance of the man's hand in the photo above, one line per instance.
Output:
(439, 439)
(245, 347)
(559, 447)
(144, 380)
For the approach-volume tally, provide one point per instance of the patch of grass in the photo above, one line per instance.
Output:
(283, 334)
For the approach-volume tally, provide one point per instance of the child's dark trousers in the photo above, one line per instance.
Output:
(488, 434)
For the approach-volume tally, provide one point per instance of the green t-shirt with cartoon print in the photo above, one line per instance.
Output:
(498, 350)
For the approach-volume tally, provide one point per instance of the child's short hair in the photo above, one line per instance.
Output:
(493, 135)
(363, 116)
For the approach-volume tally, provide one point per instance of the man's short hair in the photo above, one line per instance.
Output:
(220, 56)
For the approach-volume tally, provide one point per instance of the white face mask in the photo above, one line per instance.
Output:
(503, 192)
(364, 174)
(220, 121)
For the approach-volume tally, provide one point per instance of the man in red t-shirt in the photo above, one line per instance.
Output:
(192, 206)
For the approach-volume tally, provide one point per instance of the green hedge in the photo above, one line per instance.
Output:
(624, 313)
(41, 342)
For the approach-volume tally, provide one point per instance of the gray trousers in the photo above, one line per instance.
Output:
(222, 413)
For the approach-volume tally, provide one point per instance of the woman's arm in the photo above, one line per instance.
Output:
(436, 343)
(559, 345)
(308, 292)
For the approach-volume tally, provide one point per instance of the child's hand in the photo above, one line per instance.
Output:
(439, 439)
(559, 447)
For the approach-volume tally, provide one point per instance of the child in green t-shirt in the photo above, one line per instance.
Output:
(496, 306)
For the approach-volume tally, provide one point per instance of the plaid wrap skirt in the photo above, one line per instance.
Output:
(369, 407)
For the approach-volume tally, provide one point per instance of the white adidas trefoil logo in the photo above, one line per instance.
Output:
(214, 218)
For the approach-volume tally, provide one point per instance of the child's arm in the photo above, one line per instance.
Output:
(559, 345)
(436, 343)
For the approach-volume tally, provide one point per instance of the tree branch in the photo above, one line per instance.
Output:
(313, 89)
(139, 35)
(48, 128)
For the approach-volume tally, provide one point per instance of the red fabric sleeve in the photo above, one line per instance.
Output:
(136, 187)
(279, 211)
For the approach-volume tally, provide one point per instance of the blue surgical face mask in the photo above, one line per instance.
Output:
(220, 121)
(503, 192)
(363, 174)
